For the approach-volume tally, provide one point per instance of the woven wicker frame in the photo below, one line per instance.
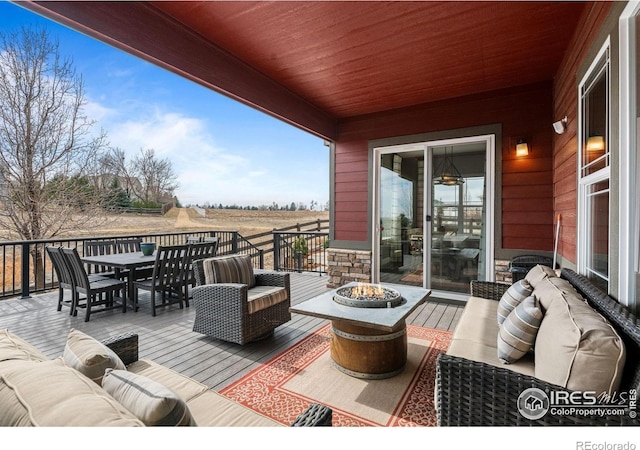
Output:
(222, 309)
(478, 394)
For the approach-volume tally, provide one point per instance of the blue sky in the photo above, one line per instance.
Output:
(221, 150)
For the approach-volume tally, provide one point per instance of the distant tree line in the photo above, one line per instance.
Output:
(293, 206)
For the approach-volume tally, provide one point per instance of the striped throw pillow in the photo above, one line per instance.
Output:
(516, 293)
(88, 356)
(229, 269)
(151, 402)
(518, 332)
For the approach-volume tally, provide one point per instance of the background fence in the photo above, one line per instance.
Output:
(26, 268)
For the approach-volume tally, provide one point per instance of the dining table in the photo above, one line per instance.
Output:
(129, 262)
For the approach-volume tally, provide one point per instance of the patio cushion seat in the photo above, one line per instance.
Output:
(262, 297)
(477, 340)
(51, 394)
(13, 347)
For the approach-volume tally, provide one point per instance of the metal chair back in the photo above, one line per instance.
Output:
(193, 239)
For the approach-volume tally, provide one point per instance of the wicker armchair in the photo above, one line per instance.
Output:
(234, 311)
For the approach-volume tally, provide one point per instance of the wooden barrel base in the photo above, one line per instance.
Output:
(368, 353)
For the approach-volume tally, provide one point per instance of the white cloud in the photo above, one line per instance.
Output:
(208, 172)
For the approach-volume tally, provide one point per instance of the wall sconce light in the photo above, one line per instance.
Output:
(522, 148)
(561, 125)
(595, 144)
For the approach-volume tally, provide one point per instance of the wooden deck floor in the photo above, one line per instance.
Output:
(168, 338)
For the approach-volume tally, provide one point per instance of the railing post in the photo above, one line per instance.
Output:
(318, 224)
(261, 255)
(276, 250)
(234, 243)
(25, 270)
(299, 261)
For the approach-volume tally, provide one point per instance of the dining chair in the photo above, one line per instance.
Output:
(95, 248)
(128, 245)
(132, 245)
(65, 280)
(99, 291)
(193, 239)
(169, 271)
(200, 250)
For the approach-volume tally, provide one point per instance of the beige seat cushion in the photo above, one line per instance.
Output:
(476, 336)
(262, 297)
(51, 394)
(488, 354)
(208, 408)
(576, 347)
(13, 347)
(89, 356)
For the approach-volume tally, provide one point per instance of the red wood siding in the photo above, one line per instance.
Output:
(565, 146)
(351, 187)
(527, 192)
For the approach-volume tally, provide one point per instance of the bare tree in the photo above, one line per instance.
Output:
(156, 179)
(45, 141)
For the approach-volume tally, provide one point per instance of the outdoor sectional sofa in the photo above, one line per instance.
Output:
(105, 384)
(586, 344)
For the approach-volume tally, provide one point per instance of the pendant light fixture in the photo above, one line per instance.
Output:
(446, 173)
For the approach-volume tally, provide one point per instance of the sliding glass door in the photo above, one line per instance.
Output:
(434, 216)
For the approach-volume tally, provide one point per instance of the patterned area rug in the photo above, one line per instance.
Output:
(283, 387)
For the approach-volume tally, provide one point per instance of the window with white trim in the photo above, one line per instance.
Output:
(594, 171)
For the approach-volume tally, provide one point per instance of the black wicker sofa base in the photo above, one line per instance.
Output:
(472, 393)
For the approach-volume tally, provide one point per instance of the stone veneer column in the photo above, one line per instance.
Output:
(345, 266)
(502, 271)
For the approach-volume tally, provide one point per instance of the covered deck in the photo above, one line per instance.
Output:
(169, 340)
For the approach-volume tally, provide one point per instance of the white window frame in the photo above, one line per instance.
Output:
(629, 170)
(604, 174)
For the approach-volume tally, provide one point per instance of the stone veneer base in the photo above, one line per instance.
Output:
(345, 266)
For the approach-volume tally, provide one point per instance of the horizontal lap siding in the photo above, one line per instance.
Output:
(526, 182)
(351, 184)
(565, 146)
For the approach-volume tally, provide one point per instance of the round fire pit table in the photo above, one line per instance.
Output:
(369, 331)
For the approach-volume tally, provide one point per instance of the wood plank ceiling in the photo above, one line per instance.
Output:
(313, 63)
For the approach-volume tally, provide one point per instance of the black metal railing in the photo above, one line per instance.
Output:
(26, 268)
(300, 251)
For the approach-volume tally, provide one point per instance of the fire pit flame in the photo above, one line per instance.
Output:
(365, 295)
(363, 290)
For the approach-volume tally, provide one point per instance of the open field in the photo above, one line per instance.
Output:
(187, 219)
(247, 223)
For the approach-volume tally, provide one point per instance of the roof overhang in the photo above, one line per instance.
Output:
(313, 64)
